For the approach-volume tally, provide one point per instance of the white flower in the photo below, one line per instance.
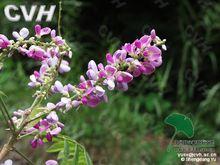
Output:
(7, 162)
(24, 32)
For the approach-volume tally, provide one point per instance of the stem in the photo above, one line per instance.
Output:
(59, 17)
(13, 139)
(39, 117)
(22, 155)
(171, 141)
(8, 146)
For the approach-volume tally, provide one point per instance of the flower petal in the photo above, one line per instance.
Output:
(24, 32)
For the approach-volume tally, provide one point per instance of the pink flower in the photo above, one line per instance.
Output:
(123, 77)
(55, 131)
(41, 31)
(51, 162)
(42, 126)
(4, 42)
(36, 53)
(57, 39)
(46, 128)
(153, 34)
(52, 117)
(36, 142)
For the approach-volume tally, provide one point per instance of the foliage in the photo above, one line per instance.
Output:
(70, 152)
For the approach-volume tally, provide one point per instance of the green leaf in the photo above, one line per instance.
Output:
(69, 151)
(88, 160)
(76, 155)
(33, 115)
(56, 147)
(66, 149)
(2, 94)
(181, 123)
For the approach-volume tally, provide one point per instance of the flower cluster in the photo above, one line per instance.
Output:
(142, 56)
(46, 128)
(51, 55)
(4, 42)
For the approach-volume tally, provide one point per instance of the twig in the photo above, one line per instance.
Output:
(38, 117)
(59, 17)
(22, 155)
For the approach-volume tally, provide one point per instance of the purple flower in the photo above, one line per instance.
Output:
(91, 100)
(36, 53)
(23, 50)
(36, 142)
(153, 34)
(37, 77)
(99, 91)
(76, 103)
(65, 102)
(33, 82)
(4, 42)
(142, 56)
(147, 68)
(46, 128)
(52, 117)
(55, 131)
(42, 126)
(49, 137)
(57, 39)
(22, 34)
(64, 67)
(122, 86)
(59, 88)
(123, 77)
(51, 106)
(41, 31)
(51, 162)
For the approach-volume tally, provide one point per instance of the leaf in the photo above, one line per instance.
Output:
(66, 149)
(88, 160)
(76, 155)
(69, 151)
(2, 94)
(181, 123)
(56, 147)
(33, 115)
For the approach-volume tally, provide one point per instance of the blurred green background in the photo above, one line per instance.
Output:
(130, 129)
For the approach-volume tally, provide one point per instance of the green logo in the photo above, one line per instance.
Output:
(181, 123)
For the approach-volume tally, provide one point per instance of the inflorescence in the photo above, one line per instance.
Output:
(141, 57)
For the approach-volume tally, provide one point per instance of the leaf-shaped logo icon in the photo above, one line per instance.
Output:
(181, 123)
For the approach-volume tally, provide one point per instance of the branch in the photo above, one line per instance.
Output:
(23, 156)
